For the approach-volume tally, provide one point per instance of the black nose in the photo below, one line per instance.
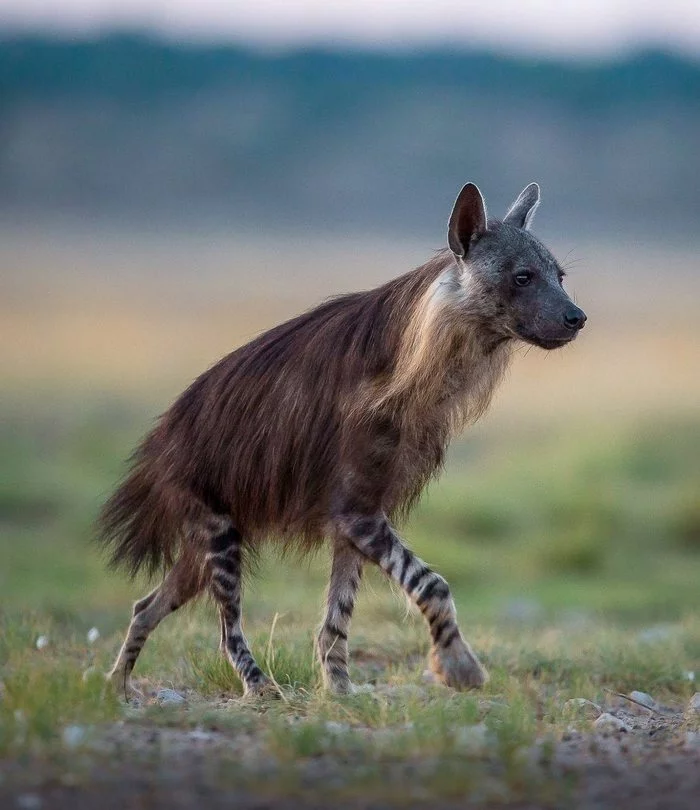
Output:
(574, 318)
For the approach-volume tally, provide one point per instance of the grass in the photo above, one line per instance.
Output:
(574, 563)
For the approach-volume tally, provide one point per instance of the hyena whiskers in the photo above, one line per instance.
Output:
(328, 427)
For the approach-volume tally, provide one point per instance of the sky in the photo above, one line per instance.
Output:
(558, 27)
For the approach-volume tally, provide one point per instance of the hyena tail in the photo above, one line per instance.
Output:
(143, 522)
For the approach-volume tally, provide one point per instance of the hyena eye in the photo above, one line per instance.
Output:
(523, 278)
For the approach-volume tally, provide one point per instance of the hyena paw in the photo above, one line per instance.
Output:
(457, 666)
(123, 687)
(347, 687)
(263, 689)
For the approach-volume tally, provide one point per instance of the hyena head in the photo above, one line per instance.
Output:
(511, 278)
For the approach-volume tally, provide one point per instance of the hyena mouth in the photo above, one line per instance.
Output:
(548, 342)
(553, 343)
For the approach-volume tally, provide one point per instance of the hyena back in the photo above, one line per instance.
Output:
(328, 427)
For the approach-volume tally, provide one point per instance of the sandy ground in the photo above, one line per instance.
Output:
(650, 761)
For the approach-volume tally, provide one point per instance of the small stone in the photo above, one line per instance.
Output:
(472, 739)
(526, 611)
(583, 707)
(692, 739)
(643, 698)
(337, 728)
(29, 801)
(694, 703)
(199, 735)
(607, 725)
(657, 633)
(92, 635)
(73, 736)
(41, 642)
(169, 697)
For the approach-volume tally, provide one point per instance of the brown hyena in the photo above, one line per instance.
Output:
(328, 427)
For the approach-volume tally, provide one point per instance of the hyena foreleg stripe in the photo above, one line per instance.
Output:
(332, 641)
(451, 658)
(224, 561)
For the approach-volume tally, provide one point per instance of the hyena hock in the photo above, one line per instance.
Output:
(328, 427)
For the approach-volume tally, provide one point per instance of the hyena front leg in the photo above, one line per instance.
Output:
(224, 562)
(451, 658)
(332, 641)
(178, 587)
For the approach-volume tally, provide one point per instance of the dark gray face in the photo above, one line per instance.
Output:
(525, 281)
(518, 283)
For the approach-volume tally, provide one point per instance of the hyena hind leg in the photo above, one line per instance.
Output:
(332, 640)
(224, 563)
(178, 587)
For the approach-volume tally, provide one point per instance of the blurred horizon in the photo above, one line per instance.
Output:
(598, 29)
(147, 133)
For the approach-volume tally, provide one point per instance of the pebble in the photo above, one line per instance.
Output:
(608, 724)
(692, 739)
(73, 735)
(657, 633)
(644, 699)
(522, 610)
(41, 642)
(92, 635)
(199, 735)
(29, 801)
(169, 697)
(337, 728)
(584, 707)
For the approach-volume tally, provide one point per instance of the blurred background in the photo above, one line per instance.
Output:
(177, 176)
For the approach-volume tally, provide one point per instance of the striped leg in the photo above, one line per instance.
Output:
(451, 659)
(332, 641)
(222, 631)
(177, 589)
(224, 561)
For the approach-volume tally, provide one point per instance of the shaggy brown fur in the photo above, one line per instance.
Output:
(264, 434)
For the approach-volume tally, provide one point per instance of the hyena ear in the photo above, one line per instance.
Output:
(523, 209)
(468, 220)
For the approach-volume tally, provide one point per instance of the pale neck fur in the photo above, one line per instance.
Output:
(447, 361)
